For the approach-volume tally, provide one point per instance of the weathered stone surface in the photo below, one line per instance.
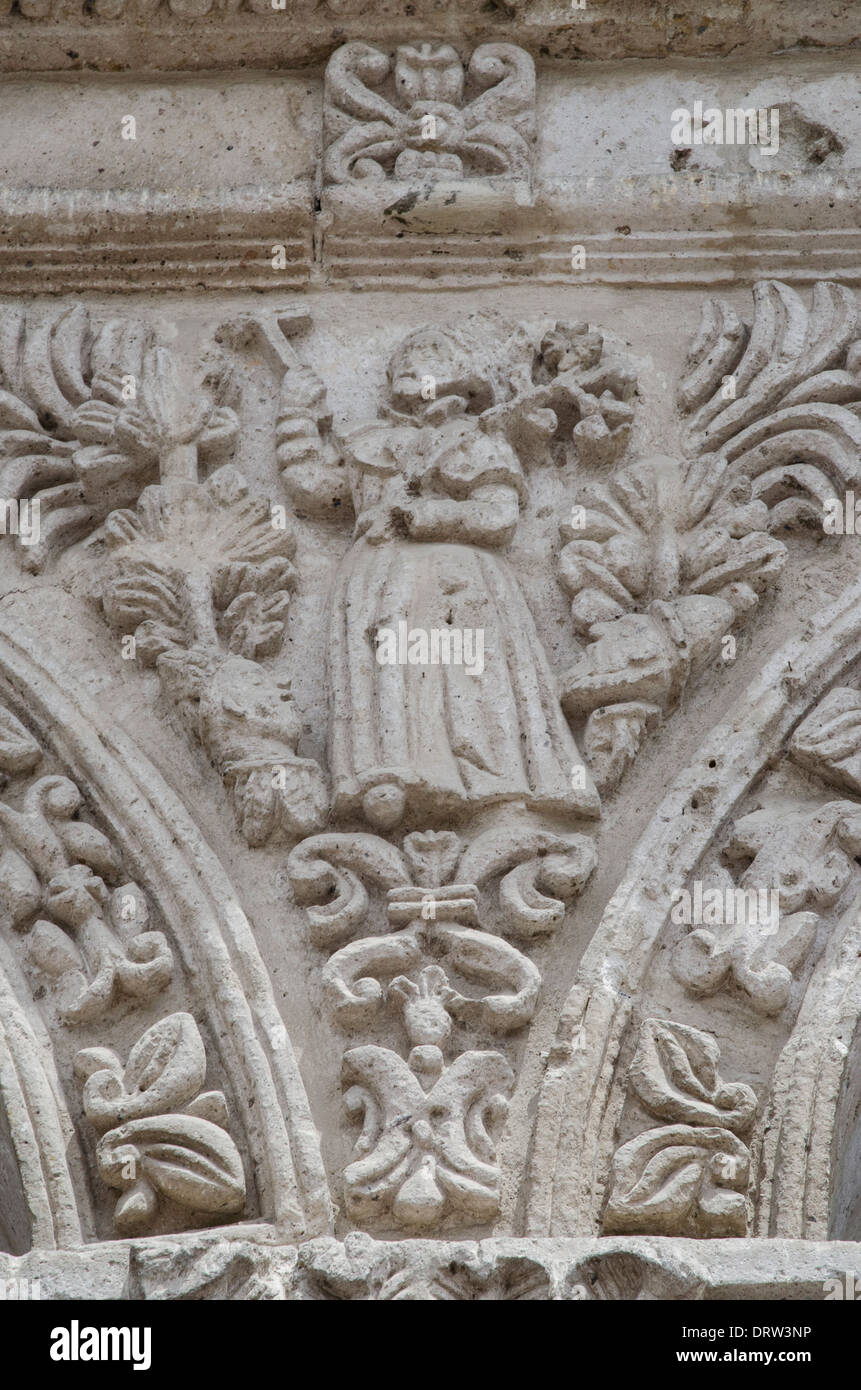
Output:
(430, 652)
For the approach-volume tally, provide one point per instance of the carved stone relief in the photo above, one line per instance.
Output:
(430, 718)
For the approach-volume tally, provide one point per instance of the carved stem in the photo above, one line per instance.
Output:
(198, 597)
(179, 463)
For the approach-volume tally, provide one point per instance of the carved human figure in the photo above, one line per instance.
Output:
(436, 494)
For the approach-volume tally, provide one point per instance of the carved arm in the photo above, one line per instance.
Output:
(488, 517)
(314, 475)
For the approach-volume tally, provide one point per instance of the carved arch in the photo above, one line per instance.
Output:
(40, 1202)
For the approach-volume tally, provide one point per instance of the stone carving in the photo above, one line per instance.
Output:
(425, 1270)
(436, 487)
(588, 386)
(444, 1157)
(795, 859)
(396, 900)
(435, 870)
(65, 392)
(667, 557)
(201, 571)
(664, 559)
(828, 741)
(426, 1147)
(202, 578)
(425, 115)
(93, 940)
(689, 1177)
(775, 397)
(161, 1140)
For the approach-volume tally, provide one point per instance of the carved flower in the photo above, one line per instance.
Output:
(169, 413)
(422, 1152)
(493, 131)
(425, 1005)
(148, 1153)
(432, 855)
(662, 529)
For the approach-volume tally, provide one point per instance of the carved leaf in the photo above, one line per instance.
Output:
(788, 423)
(19, 751)
(61, 382)
(326, 873)
(186, 1159)
(661, 529)
(828, 741)
(527, 911)
(674, 1072)
(680, 1181)
(20, 889)
(166, 1067)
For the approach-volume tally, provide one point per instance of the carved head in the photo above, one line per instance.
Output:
(443, 357)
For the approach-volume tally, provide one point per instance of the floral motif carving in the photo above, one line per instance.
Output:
(426, 1148)
(161, 1139)
(93, 940)
(666, 557)
(689, 1177)
(828, 741)
(202, 577)
(804, 859)
(64, 388)
(451, 843)
(441, 119)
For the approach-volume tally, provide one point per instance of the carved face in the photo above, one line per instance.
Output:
(430, 364)
(428, 72)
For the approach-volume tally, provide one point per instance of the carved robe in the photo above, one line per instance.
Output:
(433, 506)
